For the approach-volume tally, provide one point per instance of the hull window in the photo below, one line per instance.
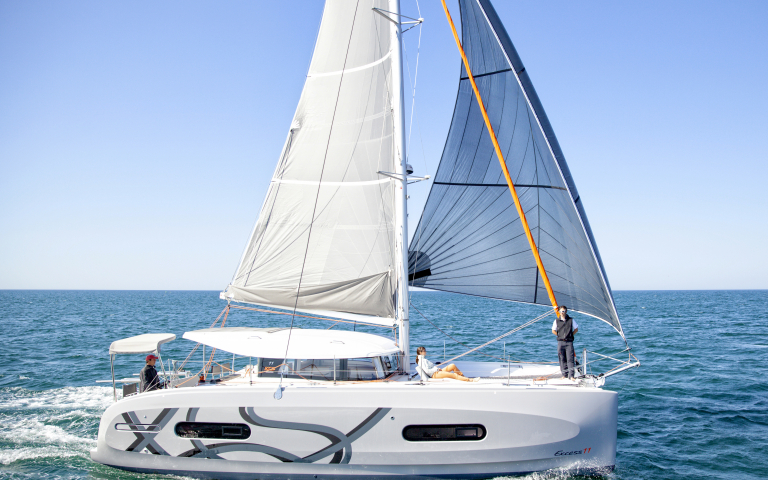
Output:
(232, 431)
(443, 433)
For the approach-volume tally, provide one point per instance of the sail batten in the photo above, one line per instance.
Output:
(470, 239)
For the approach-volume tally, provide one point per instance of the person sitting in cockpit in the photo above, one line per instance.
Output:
(430, 370)
(148, 378)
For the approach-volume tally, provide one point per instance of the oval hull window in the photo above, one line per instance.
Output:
(231, 431)
(443, 433)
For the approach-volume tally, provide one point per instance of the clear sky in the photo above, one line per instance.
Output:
(137, 139)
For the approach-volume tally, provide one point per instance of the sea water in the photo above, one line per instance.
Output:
(696, 408)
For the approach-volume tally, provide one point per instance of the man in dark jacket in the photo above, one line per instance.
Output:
(565, 327)
(148, 376)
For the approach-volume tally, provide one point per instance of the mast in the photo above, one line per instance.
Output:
(401, 197)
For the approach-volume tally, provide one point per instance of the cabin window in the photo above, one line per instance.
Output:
(443, 433)
(232, 431)
(391, 363)
(347, 369)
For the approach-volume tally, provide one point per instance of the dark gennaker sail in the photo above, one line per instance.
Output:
(470, 239)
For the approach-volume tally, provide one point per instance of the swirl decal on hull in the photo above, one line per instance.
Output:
(340, 443)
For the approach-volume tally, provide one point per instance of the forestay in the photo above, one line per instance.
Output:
(470, 239)
(324, 240)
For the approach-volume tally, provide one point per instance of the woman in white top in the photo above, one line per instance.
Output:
(432, 371)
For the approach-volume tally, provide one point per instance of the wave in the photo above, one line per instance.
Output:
(57, 423)
(60, 398)
(30, 453)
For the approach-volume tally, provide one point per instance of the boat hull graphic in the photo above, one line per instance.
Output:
(525, 429)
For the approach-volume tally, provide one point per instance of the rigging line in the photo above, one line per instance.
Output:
(538, 220)
(501, 161)
(213, 351)
(198, 344)
(449, 336)
(317, 196)
(413, 84)
(271, 210)
(328, 203)
(527, 324)
(346, 170)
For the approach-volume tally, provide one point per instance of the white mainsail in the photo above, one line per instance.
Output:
(325, 239)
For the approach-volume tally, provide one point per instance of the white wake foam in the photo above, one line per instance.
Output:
(34, 429)
(52, 423)
(60, 398)
(29, 453)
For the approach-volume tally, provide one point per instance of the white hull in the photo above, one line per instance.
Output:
(356, 430)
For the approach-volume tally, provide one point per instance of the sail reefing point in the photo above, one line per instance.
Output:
(504, 168)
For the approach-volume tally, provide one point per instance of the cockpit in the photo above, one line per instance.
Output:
(246, 355)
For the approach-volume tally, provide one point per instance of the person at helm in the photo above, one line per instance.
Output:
(148, 378)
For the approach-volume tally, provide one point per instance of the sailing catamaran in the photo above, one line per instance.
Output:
(503, 220)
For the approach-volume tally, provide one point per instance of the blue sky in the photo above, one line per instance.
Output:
(137, 139)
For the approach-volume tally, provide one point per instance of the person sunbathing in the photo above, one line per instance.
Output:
(432, 371)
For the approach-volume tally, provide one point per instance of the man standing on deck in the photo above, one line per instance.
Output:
(565, 327)
(148, 376)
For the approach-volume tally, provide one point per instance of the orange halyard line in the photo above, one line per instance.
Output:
(500, 156)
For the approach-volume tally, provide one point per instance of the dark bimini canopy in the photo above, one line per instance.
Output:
(470, 239)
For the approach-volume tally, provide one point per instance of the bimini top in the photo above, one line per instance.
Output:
(146, 343)
(314, 344)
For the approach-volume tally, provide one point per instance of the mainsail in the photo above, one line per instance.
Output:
(324, 240)
(470, 239)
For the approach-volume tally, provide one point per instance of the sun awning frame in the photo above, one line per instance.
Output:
(145, 343)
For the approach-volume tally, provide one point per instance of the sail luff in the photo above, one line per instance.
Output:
(549, 135)
(502, 162)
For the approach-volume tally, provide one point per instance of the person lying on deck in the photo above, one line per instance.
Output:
(432, 371)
